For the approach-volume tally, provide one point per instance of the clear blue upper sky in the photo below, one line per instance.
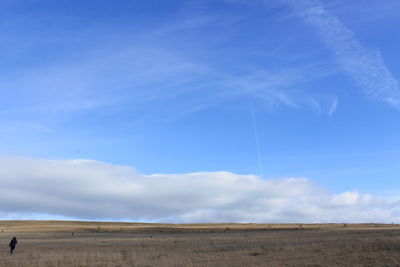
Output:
(186, 86)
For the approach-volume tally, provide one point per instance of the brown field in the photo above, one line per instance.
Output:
(51, 243)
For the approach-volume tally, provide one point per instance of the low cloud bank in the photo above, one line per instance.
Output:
(85, 189)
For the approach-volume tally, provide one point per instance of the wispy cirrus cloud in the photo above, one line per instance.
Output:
(87, 189)
(157, 72)
(365, 65)
(333, 107)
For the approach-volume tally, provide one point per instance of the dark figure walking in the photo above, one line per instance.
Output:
(12, 245)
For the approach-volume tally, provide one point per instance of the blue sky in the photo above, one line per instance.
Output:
(280, 89)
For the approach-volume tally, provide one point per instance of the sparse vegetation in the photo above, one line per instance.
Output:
(125, 244)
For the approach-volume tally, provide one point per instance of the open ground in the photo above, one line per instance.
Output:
(63, 243)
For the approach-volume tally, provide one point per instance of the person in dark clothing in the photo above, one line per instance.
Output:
(12, 245)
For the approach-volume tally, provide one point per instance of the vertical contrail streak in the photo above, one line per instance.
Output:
(256, 139)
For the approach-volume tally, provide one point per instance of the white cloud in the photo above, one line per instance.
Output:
(85, 189)
(366, 66)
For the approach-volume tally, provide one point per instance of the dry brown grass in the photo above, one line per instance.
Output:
(43, 243)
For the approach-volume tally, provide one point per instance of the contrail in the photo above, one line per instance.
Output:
(366, 66)
(256, 139)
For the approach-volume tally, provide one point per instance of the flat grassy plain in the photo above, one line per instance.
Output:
(64, 243)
